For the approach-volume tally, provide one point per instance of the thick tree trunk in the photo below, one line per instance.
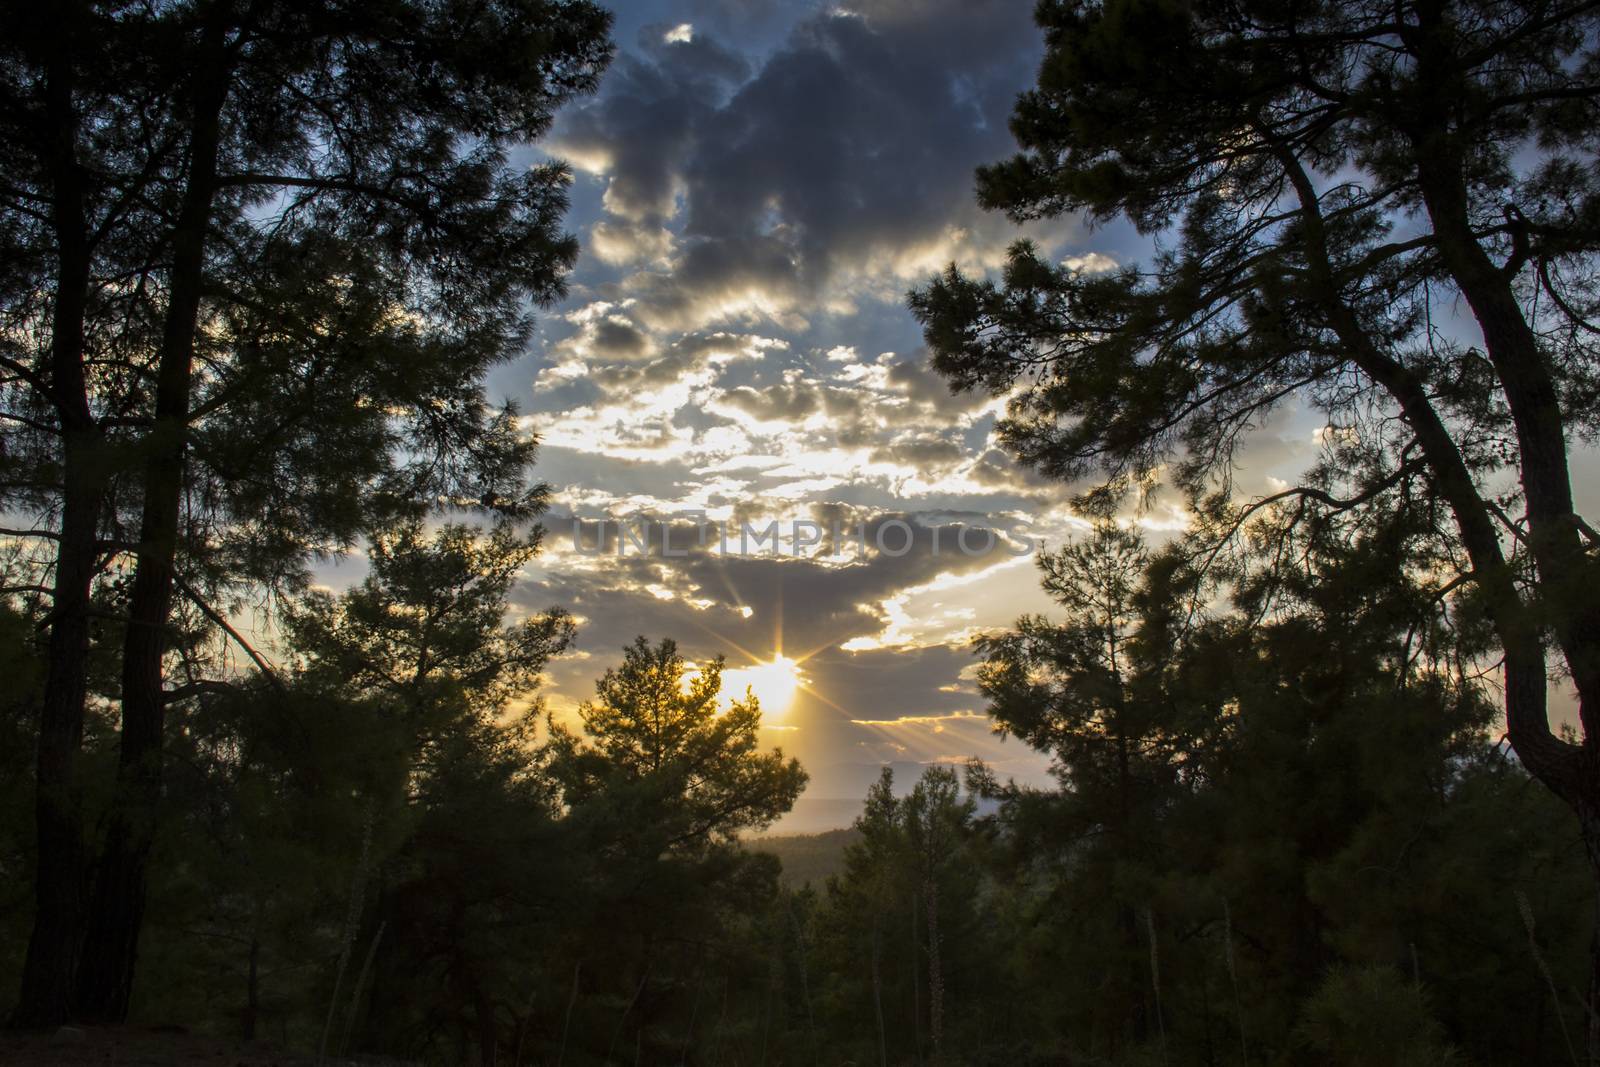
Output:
(1557, 764)
(1589, 820)
(58, 878)
(1565, 600)
(105, 972)
(1568, 575)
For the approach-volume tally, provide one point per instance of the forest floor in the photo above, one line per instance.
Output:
(132, 1046)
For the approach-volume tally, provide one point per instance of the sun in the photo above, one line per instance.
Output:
(774, 683)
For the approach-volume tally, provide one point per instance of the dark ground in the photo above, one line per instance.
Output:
(131, 1046)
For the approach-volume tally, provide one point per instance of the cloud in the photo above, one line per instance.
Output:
(619, 339)
(922, 451)
(638, 130)
(839, 167)
(620, 242)
(758, 587)
(737, 342)
(790, 402)
(1090, 263)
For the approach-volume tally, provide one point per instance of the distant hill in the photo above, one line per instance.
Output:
(814, 813)
(807, 857)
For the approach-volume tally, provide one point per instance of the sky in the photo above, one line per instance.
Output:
(757, 186)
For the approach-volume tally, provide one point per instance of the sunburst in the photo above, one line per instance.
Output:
(774, 683)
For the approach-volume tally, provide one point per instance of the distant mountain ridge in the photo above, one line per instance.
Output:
(807, 858)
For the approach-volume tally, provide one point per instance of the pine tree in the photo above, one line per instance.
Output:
(1330, 185)
(258, 259)
(466, 869)
(657, 790)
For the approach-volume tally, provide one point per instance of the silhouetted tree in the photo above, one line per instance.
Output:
(909, 965)
(257, 259)
(658, 788)
(1079, 689)
(1311, 771)
(386, 802)
(424, 637)
(655, 727)
(1388, 212)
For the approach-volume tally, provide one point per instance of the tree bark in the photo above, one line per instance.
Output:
(105, 973)
(488, 1032)
(1566, 575)
(1517, 624)
(935, 969)
(1589, 821)
(58, 880)
(916, 979)
(252, 992)
(1564, 569)
(877, 991)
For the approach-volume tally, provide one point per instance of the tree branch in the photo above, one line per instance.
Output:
(262, 665)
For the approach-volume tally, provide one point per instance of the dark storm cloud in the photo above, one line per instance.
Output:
(618, 339)
(854, 140)
(745, 19)
(858, 133)
(643, 123)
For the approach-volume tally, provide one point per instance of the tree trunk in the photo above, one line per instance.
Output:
(1134, 1012)
(58, 878)
(1567, 574)
(374, 1028)
(805, 982)
(877, 992)
(361, 981)
(935, 972)
(252, 993)
(1589, 819)
(105, 974)
(916, 980)
(488, 1034)
(44, 997)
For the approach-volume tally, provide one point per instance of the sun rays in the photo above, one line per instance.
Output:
(774, 683)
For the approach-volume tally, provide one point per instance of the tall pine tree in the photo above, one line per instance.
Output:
(1386, 211)
(258, 259)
